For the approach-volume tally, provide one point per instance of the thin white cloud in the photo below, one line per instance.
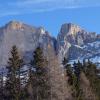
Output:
(29, 6)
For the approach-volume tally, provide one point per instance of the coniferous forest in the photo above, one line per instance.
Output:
(81, 77)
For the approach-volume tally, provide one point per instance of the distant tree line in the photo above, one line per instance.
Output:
(73, 72)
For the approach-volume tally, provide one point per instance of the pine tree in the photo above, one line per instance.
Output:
(40, 75)
(13, 77)
(84, 66)
(92, 75)
(77, 67)
(31, 85)
(69, 71)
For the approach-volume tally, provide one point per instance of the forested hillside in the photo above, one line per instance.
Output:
(43, 78)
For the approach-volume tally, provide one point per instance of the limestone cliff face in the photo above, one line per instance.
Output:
(76, 43)
(25, 37)
(70, 29)
(15, 25)
(68, 35)
(75, 34)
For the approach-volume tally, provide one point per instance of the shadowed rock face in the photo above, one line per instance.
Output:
(25, 37)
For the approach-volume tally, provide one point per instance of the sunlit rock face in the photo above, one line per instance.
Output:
(15, 25)
(70, 29)
(75, 34)
(68, 35)
(76, 43)
(25, 37)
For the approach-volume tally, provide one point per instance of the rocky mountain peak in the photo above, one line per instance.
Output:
(18, 26)
(15, 25)
(41, 30)
(25, 37)
(70, 29)
(76, 43)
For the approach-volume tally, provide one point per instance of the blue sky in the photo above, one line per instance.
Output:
(51, 14)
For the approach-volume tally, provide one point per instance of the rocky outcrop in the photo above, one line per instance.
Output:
(25, 37)
(76, 43)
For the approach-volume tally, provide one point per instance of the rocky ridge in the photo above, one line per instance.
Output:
(72, 41)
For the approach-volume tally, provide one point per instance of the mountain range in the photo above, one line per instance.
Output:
(72, 42)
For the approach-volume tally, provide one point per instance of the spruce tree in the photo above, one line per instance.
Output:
(13, 77)
(77, 67)
(69, 71)
(41, 77)
(31, 85)
(94, 79)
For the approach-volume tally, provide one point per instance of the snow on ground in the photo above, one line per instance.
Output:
(95, 60)
(95, 44)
